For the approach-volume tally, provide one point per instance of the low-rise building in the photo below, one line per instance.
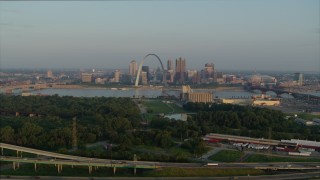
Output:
(189, 96)
(86, 77)
(205, 97)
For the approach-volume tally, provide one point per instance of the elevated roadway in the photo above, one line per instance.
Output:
(61, 159)
(242, 139)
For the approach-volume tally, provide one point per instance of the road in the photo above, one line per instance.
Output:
(61, 159)
(308, 175)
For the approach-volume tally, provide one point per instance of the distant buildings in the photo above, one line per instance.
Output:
(262, 100)
(50, 74)
(203, 97)
(209, 70)
(262, 80)
(180, 70)
(169, 65)
(144, 78)
(189, 96)
(86, 77)
(133, 68)
(298, 78)
(147, 71)
(116, 76)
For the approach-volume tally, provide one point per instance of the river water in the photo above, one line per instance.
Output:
(148, 93)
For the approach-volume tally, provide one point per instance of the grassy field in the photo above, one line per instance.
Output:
(176, 108)
(226, 156)
(149, 117)
(266, 158)
(179, 153)
(202, 172)
(51, 170)
(156, 106)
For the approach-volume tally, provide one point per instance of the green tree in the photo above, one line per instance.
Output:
(7, 134)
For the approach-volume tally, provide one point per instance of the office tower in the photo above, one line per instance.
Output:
(209, 70)
(146, 69)
(298, 77)
(180, 70)
(116, 76)
(49, 74)
(144, 78)
(158, 75)
(133, 68)
(169, 65)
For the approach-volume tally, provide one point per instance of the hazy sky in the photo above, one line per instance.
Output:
(233, 34)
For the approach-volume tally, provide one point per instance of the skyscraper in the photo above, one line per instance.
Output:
(49, 74)
(209, 70)
(146, 69)
(116, 76)
(144, 78)
(180, 70)
(133, 68)
(298, 77)
(169, 64)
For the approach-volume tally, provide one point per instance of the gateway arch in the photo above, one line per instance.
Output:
(140, 67)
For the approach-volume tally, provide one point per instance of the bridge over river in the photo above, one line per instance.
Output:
(308, 97)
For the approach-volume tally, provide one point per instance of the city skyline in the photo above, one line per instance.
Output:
(248, 35)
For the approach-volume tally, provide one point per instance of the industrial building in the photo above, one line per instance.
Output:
(262, 100)
(293, 145)
(188, 95)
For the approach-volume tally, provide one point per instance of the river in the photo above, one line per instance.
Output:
(148, 93)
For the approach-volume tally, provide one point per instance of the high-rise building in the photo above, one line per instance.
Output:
(116, 76)
(146, 69)
(133, 68)
(49, 74)
(170, 76)
(191, 74)
(169, 65)
(180, 70)
(144, 78)
(298, 77)
(209, 70)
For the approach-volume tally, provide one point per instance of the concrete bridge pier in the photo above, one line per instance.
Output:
(135, 171)
(35, 167)
(15, 165)
(19, 154)
(90, 169)
(59, 168)
(1, 151)
(114, 170)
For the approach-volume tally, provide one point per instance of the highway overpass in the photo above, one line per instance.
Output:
(60, 160)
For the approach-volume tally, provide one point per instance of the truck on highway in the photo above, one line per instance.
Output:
(211, 164)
